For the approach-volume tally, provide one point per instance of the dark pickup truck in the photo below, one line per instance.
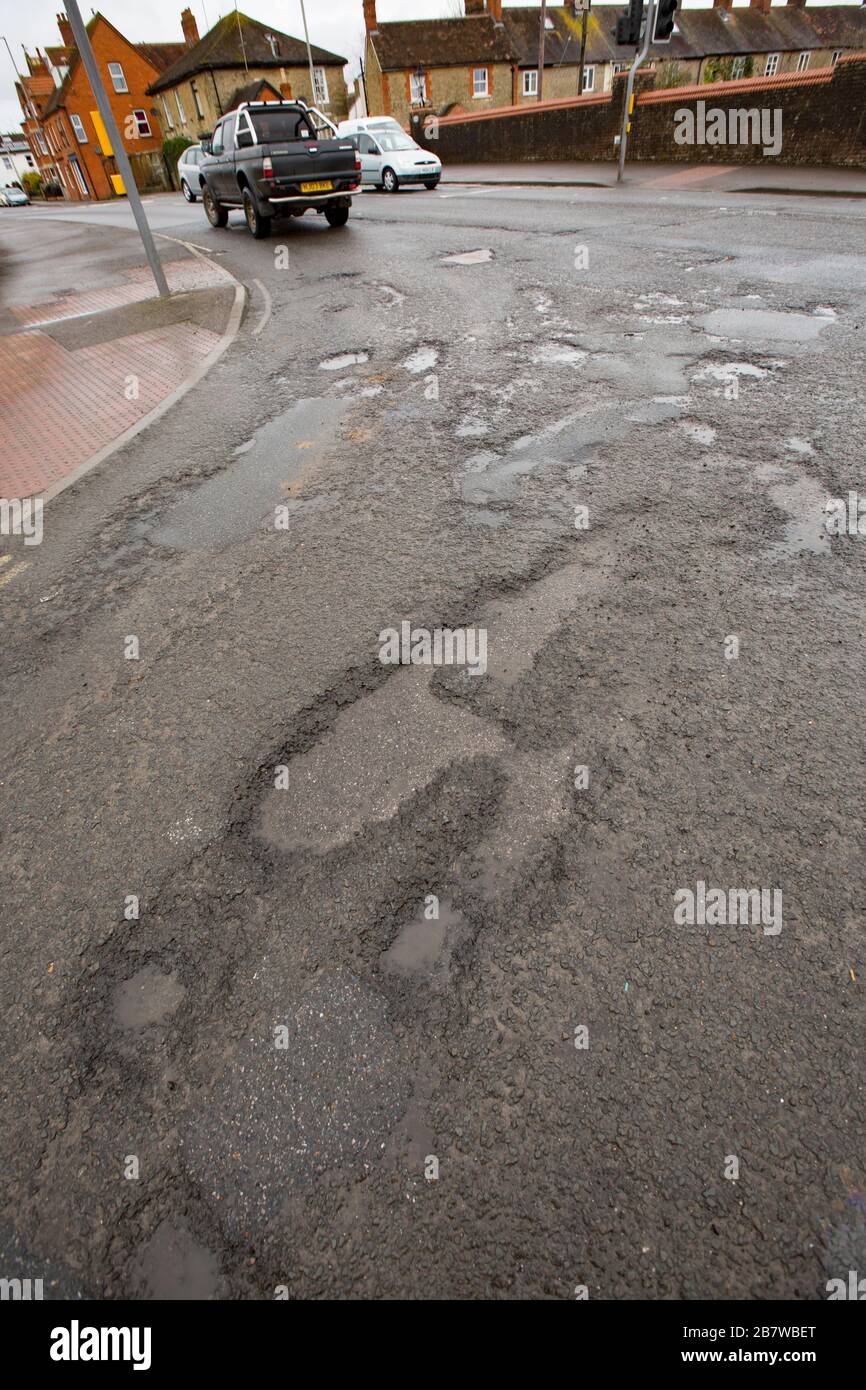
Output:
(277, 159)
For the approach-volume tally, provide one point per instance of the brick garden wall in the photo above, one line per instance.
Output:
(823, 123)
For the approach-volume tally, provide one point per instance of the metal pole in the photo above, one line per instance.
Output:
(640, 57)
(541, 38)
(309, 54)
(11, 59)
(82, 43)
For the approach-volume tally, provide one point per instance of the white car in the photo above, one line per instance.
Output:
(370, 124)
(188, 172)
(390, 158)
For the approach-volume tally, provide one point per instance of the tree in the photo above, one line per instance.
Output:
(670, 74)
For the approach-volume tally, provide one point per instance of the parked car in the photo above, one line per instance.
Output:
(369, 124)
(14, 198)
(390, 158)
(277, 159)
(189, 172)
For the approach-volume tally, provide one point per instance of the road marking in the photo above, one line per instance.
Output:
(473, 192)
(10, 574)
(268, 309)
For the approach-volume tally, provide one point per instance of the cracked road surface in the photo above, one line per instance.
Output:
(613, 463)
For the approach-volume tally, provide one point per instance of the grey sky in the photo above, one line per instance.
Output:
(335, 24)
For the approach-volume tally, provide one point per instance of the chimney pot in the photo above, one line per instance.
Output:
(189, 27)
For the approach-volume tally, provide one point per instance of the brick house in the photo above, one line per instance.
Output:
(210, 74)
(62, 123)
(490, 57)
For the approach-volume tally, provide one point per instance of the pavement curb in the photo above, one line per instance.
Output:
(229, 334)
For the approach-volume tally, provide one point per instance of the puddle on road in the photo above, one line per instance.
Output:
(701, 434)
(172, 1265)
(469, 257)
(421, 945)
(343, 360)
(228, 506)
(801, 447)
(804, 500)
(763, 325)
(424, 359)
(559, 354)
(147, 997)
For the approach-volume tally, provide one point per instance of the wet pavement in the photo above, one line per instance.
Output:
(374, 903)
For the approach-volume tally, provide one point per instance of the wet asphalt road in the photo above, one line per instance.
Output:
(287, 1041)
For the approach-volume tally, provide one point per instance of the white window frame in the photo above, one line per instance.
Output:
(78, 128)
(418, 89)
(116, 73)
(803, 60)
(484, 90)
(181, 114)
(772, 64)
(835, 56)
(738, 69)
(530, 82)
(139, 115)
(589, 78)
(320, 87)
(196, 101)
(43, 143)
(79, 179)
(169, 118)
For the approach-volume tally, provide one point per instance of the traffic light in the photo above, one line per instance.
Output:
(666, 13)
(628, 25)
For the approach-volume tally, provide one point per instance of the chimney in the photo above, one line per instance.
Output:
(722, 4)
(474, 6)
(762, 5)
(66, 33)
(798, 4)
(494, 8)
(371, 23)
(189, 27)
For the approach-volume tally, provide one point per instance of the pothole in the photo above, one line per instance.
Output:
(149, 996)
(479, 257)
(343, 360)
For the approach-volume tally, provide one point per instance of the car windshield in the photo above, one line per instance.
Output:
(272, 126)
(386, 140)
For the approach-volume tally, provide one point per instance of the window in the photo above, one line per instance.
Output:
(320, 87)
(835, 56)
(589, 79)
(480, 86)
(78, 127)
(418, 88)
(195, 96)
(142, 123)
(115, 72)
(85, 193)
(228, 134)
(738, 67)
(7, 162)
(803, 61)
(772, 65)
(181, 114)
(42, 145)
(169, 119)
(530, 82)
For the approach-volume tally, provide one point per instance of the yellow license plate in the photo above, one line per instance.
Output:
(323, 186)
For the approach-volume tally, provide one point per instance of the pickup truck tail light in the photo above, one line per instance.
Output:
(357, 160)
(267, 167)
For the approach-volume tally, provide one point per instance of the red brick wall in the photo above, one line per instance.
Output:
(823, 122)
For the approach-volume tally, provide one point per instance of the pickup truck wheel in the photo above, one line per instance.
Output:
(336, 217)
(187, 191)
(389, 181)
(259, 225)
(216, 214)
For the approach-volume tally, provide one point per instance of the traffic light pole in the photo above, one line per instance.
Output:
(640, 57)
(82, 43)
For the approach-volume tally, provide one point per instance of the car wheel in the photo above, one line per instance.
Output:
(187, 191)
(259, 225)
(389, 181)
(431, 184)
(215, 213)
(336, 217)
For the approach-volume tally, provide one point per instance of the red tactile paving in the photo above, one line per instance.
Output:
(59, 407)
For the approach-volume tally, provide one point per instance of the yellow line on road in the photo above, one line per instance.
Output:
(10, 574)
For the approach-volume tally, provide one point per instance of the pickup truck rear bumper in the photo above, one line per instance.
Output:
(310, 199)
